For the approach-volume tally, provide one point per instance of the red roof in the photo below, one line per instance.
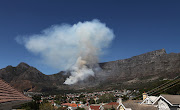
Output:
(73, 105)
(67, 104)
(9, 94)
(70, 105)
(52, 102)
(113, 103)
(94, 107)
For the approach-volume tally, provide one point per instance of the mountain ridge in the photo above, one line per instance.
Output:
(148, 66)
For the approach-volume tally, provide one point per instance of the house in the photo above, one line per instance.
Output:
(99, 106)
(94, 107)
(149, 100)
(167, 102)
(72, 106)
(65, 104)
(111, 105)
(135, 105)
(10, 97)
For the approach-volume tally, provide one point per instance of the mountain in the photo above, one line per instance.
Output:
(155, 65)
(25, 77)
(146, 67)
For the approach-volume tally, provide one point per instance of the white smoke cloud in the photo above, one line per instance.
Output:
(74, 47)
(79, 71)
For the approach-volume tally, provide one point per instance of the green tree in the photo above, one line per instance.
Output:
(33, 105)
(92, 101)
(37, 98)
(124, 97)
(83, 100)
(106, 98)
(81, 96)
(46, 106)
(60, 98)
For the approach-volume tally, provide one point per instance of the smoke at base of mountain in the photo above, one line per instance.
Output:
(79, 72)
(61, 46)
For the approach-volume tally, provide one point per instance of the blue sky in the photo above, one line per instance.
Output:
(139, 26)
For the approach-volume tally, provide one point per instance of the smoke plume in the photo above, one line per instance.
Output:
(71, 47)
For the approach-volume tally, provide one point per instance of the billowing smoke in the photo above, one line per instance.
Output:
(71, 47)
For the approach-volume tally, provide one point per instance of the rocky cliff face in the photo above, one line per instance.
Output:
(155, 63)
(145, 67)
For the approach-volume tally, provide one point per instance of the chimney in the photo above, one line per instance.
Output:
(119, 100)
(144, 95)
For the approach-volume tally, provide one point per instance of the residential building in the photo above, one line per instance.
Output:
(167, 102)
(135, 105)
(149, 100)
(10, 98)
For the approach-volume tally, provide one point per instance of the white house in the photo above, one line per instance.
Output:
(149, 100)
(135, 105)
(167, 102)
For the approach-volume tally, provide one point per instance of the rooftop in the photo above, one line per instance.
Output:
(135, 105)
(173, 99)
(94, 107)
(10, 96)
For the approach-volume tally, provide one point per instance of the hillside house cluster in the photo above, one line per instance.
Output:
(163, 102)
(10, 98)
(117, 93)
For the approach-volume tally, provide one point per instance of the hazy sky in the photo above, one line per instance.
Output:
(139, 26)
